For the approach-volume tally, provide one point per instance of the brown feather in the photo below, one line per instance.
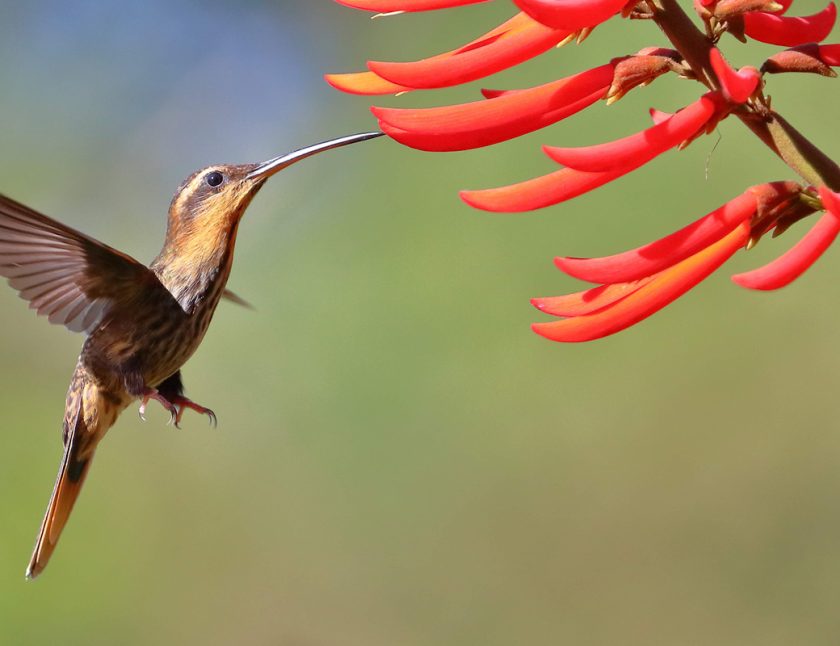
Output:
(66, 275)
(90, 412)
(68, 484)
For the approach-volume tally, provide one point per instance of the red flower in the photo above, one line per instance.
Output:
(630, 151)
(738, 86)
(790, 266)
(786, 31)
(642, 281)
(656, 256)
(501, 117)
(636, 283)
(509, 44)
(592, 167)
(651, 296)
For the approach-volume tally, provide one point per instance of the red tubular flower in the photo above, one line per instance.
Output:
(512, 43)
(662, 289)
(539, 192)
(487, 134)
(569, 183)
(737, 86)
(391, 6)
(789, 32)
(571, 14)
(644, 145)
(657, 256)
(509, 44)
(795, 262)
(507, 115)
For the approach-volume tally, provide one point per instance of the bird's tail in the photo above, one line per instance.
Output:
(71, 475)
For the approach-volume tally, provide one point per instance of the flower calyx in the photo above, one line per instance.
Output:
(642, 69)
(778, 206)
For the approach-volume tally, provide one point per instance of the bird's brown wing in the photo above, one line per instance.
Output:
(64, 274)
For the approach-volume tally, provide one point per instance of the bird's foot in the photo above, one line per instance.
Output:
(176, 407)
(182, 404)
(151, 393)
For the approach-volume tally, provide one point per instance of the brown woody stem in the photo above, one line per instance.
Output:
(799, 153)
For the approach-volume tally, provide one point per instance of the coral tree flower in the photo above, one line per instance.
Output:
(640, 282)
(791, 265)
(788, 31)
(632, 285)
(738, 86)
(503, 117)
(658, 291)
(509, 44)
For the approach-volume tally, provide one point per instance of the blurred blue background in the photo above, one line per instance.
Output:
(399, 460)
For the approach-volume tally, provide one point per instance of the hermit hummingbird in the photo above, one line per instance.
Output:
(141, 323)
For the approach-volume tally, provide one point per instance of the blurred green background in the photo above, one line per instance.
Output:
(399, 459)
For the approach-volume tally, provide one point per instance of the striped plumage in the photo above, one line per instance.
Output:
(142, 323)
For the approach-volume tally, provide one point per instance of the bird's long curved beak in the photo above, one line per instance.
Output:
(272, 166)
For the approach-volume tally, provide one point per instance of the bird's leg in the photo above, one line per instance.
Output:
(152, 393)
(173, 390)
(136, 387)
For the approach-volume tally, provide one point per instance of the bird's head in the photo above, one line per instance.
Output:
(207, 207)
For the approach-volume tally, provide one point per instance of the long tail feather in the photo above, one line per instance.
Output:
(68, 484)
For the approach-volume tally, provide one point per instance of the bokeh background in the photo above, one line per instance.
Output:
(399, 459)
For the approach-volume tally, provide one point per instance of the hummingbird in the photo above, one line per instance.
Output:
(141, 323)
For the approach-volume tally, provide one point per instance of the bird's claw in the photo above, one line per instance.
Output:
(151, 393)
(182, 403)
(176, 408)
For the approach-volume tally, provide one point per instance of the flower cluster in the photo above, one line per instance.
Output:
(630, 286)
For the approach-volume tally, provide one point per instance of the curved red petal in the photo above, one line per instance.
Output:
(539, 192)
(571, 14)
(657, 256)
(787, 31)
(665, 288)
(737, 86)
(482, 123)
(646, 144)
(514, 42)
(364, 83)
(589, 301)
(387, 6)
(794, 262)
(486, 136)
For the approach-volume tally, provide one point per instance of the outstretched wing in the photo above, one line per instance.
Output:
(64, 274)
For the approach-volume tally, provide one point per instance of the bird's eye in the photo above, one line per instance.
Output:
(214, 179)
